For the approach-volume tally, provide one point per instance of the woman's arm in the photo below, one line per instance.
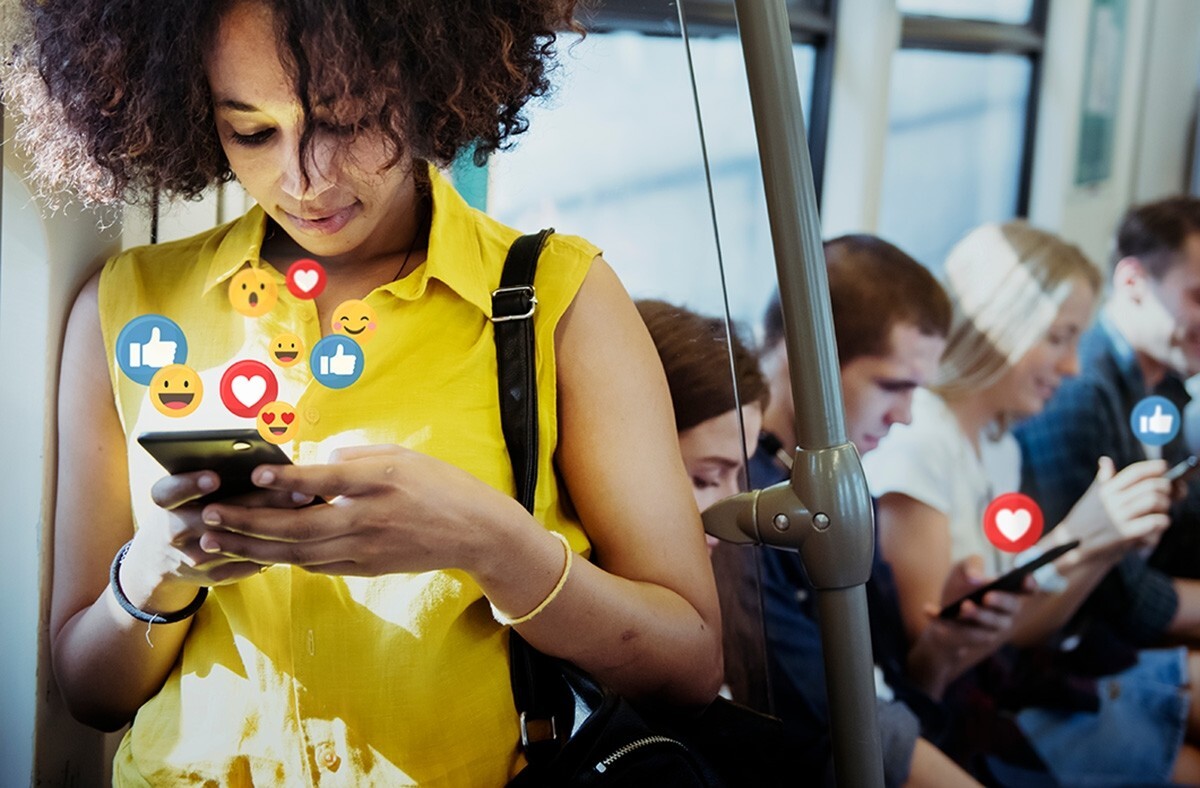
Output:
(931, 768)
(915, 538)
(643, 619)
(164, 568)
(619, 455)
(89, 632)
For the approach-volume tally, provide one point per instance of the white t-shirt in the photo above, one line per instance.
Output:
(932, 461)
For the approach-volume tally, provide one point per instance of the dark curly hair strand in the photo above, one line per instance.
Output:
(116, 104)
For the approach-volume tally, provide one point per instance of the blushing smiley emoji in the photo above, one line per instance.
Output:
(287, 349)
(277, 422)
(253, 292)
(176, 391)
(355, 319)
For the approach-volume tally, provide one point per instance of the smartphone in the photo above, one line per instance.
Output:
(1010, 581)
(1183, 469)
(232, 454)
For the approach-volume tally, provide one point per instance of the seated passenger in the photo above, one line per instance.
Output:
(1146, 341)
(695, 355)
(1022, 298)
(890, 319)
(364, 641)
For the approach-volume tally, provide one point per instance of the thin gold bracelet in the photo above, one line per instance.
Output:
(504, 620)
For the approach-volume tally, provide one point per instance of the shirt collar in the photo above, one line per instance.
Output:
(226, 253)
(1171, 386)
(454, 257)
(1122, 353)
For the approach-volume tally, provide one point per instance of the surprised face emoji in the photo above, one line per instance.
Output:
(354, 319)
(253, 292)
(175, 391)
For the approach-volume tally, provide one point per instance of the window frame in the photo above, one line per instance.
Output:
(977, 36)
(812, 24)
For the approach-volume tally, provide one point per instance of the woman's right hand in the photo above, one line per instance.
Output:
(165, 566)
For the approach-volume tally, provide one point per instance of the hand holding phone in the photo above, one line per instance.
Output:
(232, 454)
(1010, 581)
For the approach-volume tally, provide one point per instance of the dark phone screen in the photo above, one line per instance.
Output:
(232, 454)
(1010, 581)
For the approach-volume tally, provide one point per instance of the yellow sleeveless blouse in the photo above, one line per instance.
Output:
(292, 678)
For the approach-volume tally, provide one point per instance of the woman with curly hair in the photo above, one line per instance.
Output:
(362, 639)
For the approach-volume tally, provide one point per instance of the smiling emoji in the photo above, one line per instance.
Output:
(175, 390)
(286, 349)
(253, 292)
(277, 422)
(355, 319)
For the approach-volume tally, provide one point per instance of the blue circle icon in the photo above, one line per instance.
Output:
(336, 361)
(147, 344)
(1155, 421)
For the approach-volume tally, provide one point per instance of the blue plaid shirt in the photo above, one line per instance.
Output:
(1088, 418)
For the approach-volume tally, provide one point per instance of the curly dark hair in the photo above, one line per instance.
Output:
(116, 104)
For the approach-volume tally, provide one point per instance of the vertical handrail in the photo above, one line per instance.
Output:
(827, 476)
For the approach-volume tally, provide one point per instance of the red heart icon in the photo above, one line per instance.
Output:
(287, 417)
(267, 417)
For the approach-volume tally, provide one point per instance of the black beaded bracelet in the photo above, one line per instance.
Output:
(141, 615)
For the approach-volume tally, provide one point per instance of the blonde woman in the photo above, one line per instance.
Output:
(1021, 299)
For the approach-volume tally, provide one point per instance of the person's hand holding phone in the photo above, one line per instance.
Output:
(1121, 510)
(948, 647)
(165, 564)
(390, 509)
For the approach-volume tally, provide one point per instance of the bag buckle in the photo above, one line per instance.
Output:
(522, 291)
(537, 731)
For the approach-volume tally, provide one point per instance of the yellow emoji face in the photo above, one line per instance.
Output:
(355, 319)
(253, 292)
(277, 422)
(175, 390)
(286, 349)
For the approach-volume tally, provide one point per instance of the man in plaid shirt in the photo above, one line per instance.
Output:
(1146, 340)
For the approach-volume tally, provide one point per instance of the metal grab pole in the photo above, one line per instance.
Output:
(834, 532)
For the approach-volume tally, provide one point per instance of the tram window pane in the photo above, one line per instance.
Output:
(747, 254)
(953, 157)
(1010, 11)
(615, 157)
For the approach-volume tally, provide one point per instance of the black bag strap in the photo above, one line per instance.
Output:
(513, 306)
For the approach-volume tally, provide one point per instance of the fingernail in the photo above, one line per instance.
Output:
(211, 517)
(299, 497)
(209, 545)
(207, 482)
(266, 477)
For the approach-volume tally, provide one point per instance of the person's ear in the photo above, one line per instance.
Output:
(1130, 278)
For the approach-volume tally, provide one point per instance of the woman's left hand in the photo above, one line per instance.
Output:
(389, 509)
(946, 648)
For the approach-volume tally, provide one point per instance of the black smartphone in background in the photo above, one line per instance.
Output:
(233, 454)
(1010, 581)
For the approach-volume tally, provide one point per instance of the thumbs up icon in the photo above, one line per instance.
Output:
(1158, 423)
(337, 361)
(341, 363)
(155, 353)
(1155, 421)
